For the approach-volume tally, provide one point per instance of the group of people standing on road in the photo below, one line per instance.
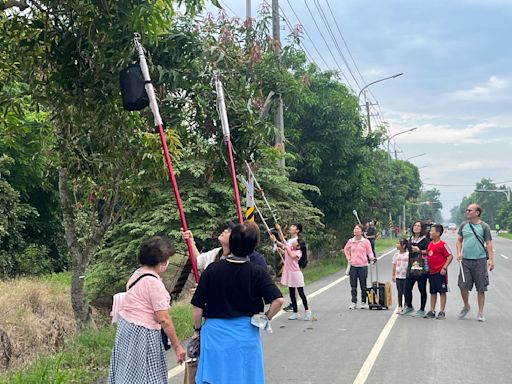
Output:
(424, 257)
(229, 301)
(227, 307)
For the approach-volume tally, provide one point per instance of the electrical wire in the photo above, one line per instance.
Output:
(331, 33)
(328, 47)
(344, 41)
(307, 35)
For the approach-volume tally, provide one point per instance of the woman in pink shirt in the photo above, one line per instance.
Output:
(357, 250)
(138, 355)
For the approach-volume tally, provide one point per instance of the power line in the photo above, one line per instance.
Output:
(307, 34)
(309, 56)
(331, 33)
(327, 45)
(230, 10)
(344, 42)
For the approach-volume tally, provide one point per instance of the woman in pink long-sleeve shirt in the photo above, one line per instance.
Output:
(357, 250)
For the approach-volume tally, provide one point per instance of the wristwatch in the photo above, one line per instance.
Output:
(197, 329)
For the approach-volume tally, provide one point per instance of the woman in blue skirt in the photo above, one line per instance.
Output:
(229, 293)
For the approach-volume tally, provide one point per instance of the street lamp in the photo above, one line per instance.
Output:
(412, 157)
(399, 133)
(368, 104)
(505, 191)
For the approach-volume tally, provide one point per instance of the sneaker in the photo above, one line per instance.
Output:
(420, 313)
(480, 317)
(441, 316)
(307, 315)
(408, 311)
(293, 316)
(352, 306)
(364, 306)
(288, 308)
(463, 312)
(399, 310)
(431, 315)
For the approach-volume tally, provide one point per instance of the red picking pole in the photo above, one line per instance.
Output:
(158, 122)
(227, 137)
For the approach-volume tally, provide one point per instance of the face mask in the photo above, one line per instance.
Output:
(163, 268)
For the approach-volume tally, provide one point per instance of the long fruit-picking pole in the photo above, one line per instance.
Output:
(227, 138)
(262, 192)
(158, 122)
(267, 228)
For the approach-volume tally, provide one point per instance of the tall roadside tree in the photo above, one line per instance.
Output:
(70, 54)
(495, 209)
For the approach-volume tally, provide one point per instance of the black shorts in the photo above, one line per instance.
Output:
(438, 283)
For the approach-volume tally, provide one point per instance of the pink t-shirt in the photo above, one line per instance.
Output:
(144, 298)
(292, 275)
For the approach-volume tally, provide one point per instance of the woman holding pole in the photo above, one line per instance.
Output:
(229, 293)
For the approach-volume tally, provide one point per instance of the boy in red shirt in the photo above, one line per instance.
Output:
(439, 258)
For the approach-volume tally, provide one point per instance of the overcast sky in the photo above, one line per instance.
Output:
(456, 58)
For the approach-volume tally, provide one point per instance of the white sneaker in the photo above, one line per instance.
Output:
(352, 306)
(307, 315)
(364, 306)
(293, 316)
(480, 317)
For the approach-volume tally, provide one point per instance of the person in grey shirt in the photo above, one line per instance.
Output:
(475, 252)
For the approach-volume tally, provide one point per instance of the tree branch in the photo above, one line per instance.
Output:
(21, 4)
(107, 220)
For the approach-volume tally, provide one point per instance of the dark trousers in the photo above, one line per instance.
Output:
(422, 286)
(372, 242)
(400, 287)
(358, 273)
(294, 299)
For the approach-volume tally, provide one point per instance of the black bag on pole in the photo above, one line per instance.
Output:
(133, 91)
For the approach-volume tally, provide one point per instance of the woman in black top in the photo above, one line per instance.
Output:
(418, 244)
(229, 293)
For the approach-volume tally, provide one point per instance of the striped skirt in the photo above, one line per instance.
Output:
(231, 352)
(138, 356)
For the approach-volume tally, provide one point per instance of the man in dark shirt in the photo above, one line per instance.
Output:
(371, 234)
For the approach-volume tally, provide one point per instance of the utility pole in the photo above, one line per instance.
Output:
(368, 116)
(278, 116)
(247, 9)
(403, 217)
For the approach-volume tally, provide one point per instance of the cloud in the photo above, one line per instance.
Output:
(489, 91)
(445, 134)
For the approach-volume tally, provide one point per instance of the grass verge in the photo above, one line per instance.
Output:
(87, 357)
(506, 235)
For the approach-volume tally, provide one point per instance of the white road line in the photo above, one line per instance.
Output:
(505, 257)
(365, 370)
(175, 371)
(180, 368)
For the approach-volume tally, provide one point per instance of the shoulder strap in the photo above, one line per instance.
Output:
(480, 241)
(140, 277)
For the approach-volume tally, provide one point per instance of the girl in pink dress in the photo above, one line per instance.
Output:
(293, 278)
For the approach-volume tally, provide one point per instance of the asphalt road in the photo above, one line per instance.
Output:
(370, 346)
